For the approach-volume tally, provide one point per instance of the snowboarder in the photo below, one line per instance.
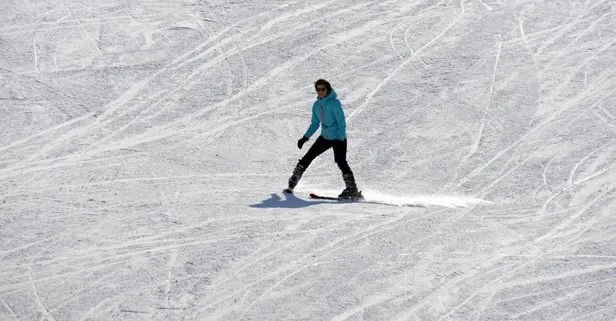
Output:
(326, 112)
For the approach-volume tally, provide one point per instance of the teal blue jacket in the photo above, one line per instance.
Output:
(327, 112)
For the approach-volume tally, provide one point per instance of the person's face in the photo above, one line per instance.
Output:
(321, 91)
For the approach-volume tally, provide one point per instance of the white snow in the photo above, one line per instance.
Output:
(144, 146)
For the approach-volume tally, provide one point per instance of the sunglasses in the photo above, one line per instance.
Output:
(319, 89)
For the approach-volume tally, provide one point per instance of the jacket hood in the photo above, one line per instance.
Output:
(331, 95)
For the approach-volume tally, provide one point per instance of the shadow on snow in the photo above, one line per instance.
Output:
(290, 201)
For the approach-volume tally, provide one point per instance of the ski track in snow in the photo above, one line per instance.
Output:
(143, 148)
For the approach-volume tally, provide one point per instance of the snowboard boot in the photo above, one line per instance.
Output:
(350, 192)
(295, 177)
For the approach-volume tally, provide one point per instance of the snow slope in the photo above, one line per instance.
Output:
(144, 145)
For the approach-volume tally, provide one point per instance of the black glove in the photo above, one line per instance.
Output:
(301, 142)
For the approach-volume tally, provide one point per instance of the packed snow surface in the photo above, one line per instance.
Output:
(144, 146)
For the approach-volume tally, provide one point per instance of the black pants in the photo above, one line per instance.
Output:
(321, 145)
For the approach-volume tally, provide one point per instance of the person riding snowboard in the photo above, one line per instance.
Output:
(326, 112)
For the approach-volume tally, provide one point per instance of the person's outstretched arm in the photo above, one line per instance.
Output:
(314, 124)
